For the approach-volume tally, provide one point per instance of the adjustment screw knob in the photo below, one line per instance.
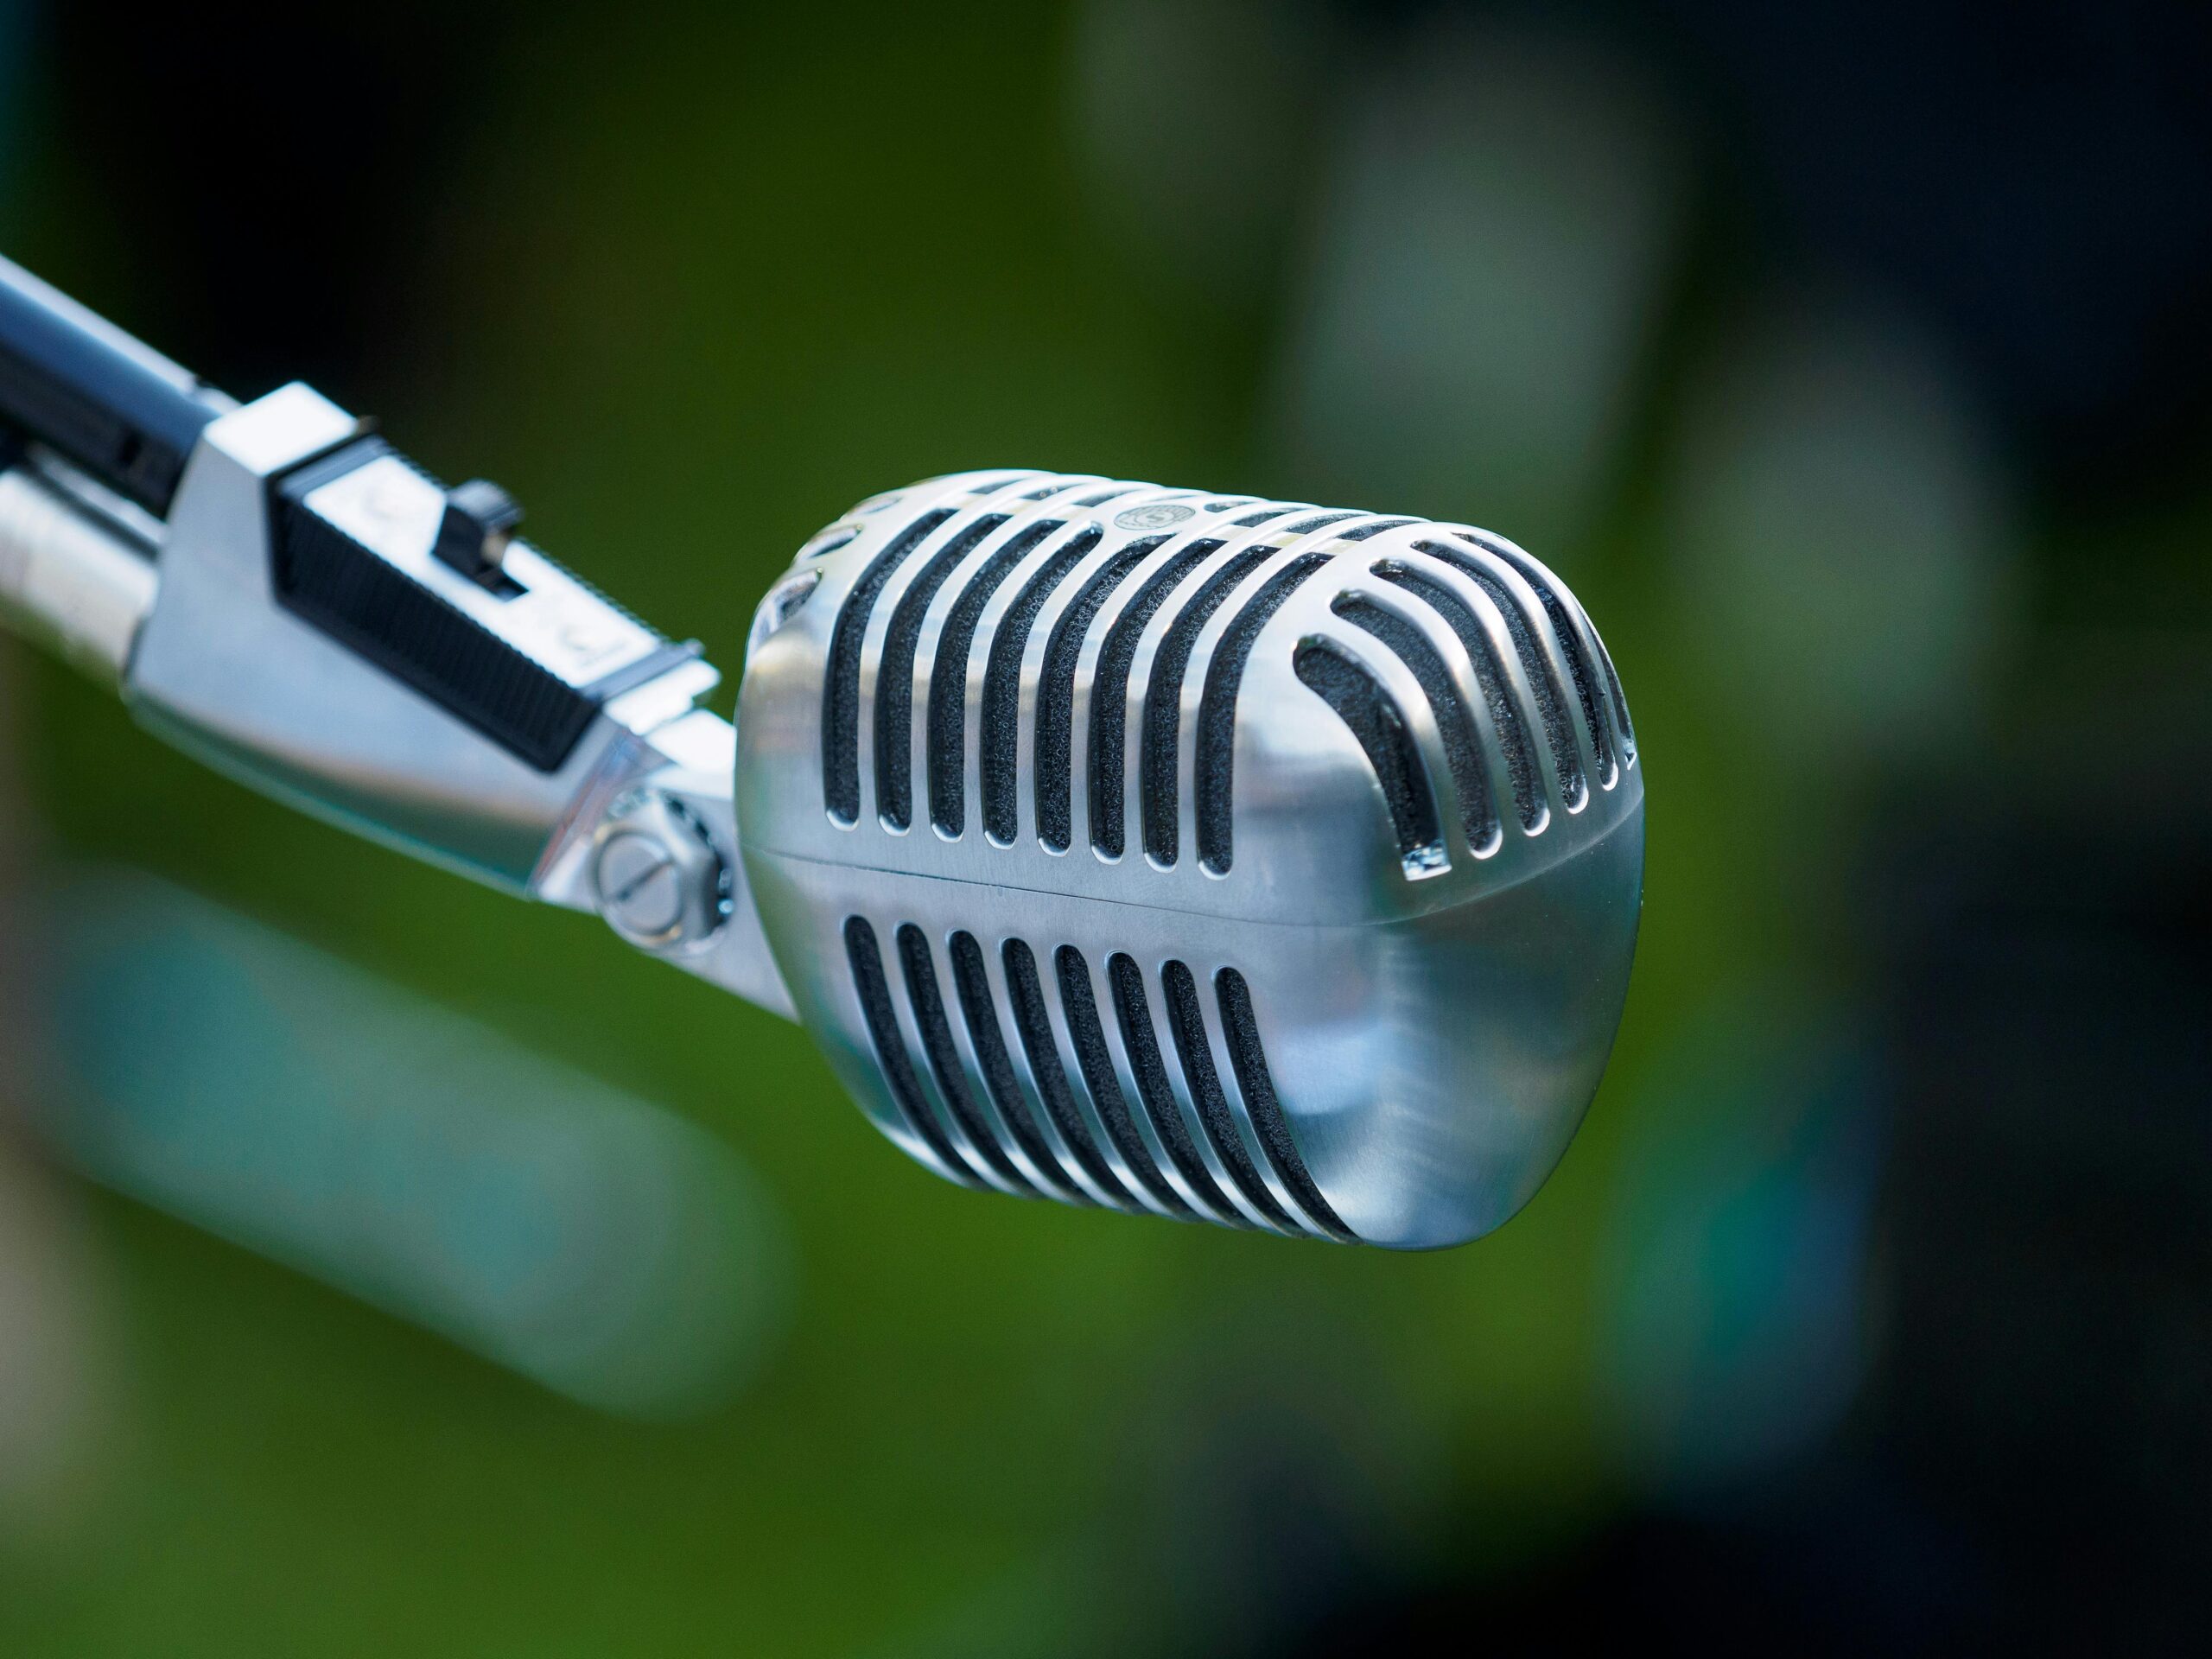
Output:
(480, 521)
(657, 877)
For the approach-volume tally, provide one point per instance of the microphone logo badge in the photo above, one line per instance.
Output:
(1159, 516)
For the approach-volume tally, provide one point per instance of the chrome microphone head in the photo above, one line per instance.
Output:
(1212, 857)
(1225, 859)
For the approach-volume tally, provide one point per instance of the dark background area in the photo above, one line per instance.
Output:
(1853, 362)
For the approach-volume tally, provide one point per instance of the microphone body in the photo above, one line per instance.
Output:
(1216, 858)
(1191, 856)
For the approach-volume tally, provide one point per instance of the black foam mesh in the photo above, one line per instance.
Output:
(948, 710)
(1247, 1057)
(920, 969)
(1535, 664)
(894, 678)
(1213, 765)
(1159, 745)
(1026, 992)
(1109, 696)
(841, 687)
(1359, 700)
(1361, 532)
(874, 993)
(1134, 1012)
(1096, 1061)
(1001, 740)
(971, 982)
(1055, 742)
(1461, 751)
(1188, 1024)
(1569, 636)
(1489, 676)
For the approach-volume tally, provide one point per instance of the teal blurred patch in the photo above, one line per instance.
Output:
(279, 1098)
(1732, 1289)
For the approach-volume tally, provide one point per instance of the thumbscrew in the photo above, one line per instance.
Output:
(660, 882)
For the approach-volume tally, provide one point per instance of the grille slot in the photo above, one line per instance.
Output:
(971, 982)
(948, 711)
(1586, 689)
(1489, 677)
(1249, 1059)
(1535, 664)
(1095, 1062)
(1001, 740)
(823, 546)
(1573, 690)
(1109, 694)
(1196, 1054)
(1214, 764)
(891, 1056)
(1038, 1063)
(1316, 522)
(1038, 650)
(1157, 1094)
(1462, 752)
(1055, 733)
(1350, 689)
(919, 967)
(1026, 993)
(894, 678)
(1361, 532)
(1620, 702)
(841, 694)
(1159, 745)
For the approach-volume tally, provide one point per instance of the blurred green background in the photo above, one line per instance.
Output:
(1853, 369)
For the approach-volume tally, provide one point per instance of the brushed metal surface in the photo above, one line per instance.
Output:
(1434, 1013)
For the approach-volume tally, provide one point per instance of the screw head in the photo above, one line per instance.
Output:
(660, 882)
(638, 881)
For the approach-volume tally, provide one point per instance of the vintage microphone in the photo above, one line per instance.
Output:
(1200, 855)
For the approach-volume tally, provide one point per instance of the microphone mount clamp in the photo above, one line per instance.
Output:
(276, 590)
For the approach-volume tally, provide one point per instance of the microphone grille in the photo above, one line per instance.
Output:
(1021, 1120)
(1027, 663)
(1196, 855)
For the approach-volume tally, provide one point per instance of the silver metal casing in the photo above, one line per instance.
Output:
(224, 671)
(1224, 858)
